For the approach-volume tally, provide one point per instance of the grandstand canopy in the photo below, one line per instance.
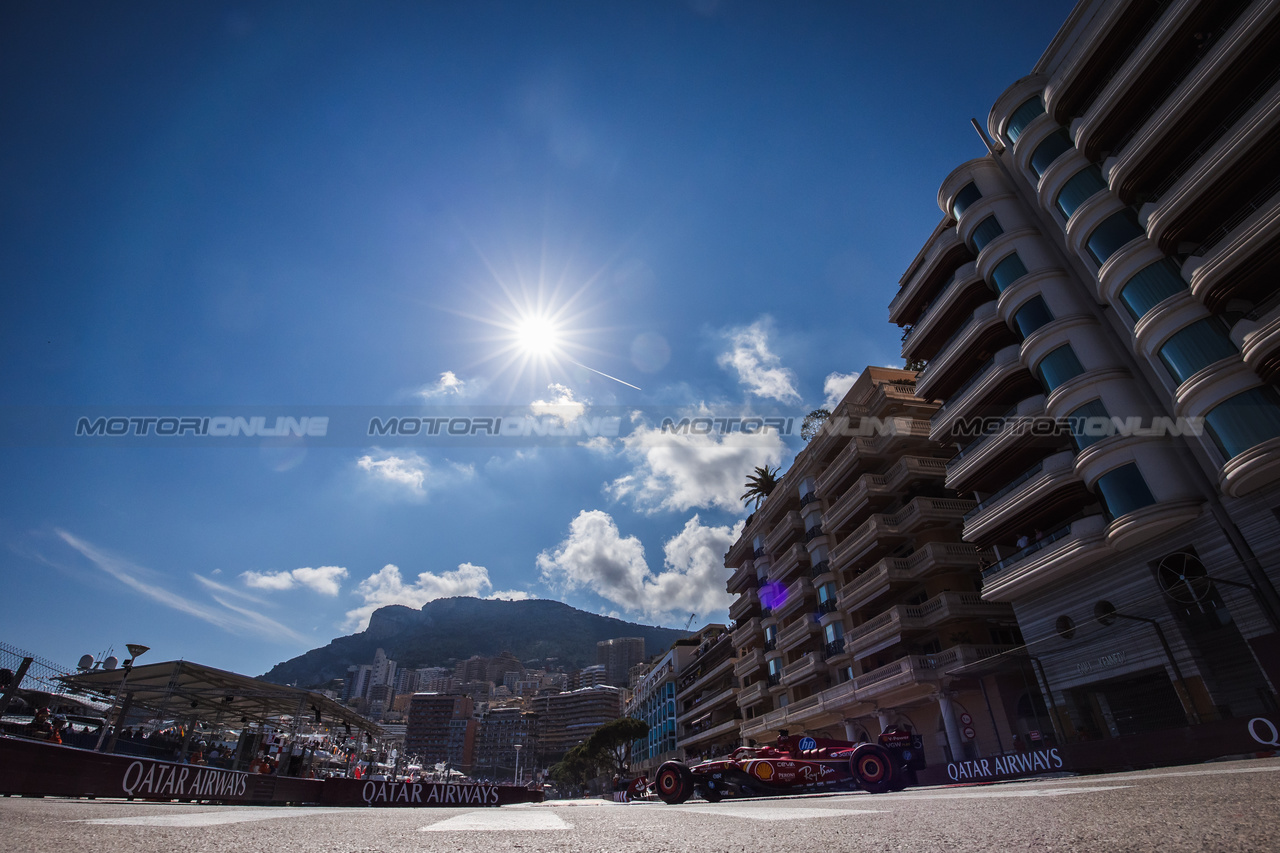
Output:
(179, 689)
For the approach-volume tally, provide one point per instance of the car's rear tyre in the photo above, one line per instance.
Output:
(674, 783)
(872, 767)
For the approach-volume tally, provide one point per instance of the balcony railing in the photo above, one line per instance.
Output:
(820, 568)
(1011, 486)
(828, 606)
(979, 374)
(813, 533)
(833, 648)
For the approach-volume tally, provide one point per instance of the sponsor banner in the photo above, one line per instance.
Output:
(42, 769)
(1010, 766)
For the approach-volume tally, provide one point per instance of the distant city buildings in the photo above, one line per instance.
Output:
(618, 656)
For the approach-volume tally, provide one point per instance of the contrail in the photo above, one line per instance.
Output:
(602, 373)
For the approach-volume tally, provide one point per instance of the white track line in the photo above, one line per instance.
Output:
(494, 820)
(213, 817)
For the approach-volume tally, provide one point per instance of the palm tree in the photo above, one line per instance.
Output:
(760, 484)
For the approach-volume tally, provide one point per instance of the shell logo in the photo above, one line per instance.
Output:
(763, 770)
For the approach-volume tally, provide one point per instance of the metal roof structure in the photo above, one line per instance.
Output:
(184, 689)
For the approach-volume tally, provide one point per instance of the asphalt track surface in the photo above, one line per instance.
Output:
(1225, 806)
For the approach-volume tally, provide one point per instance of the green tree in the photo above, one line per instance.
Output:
(612, 741)
(578, 767)
(813, 423)
(760, 484)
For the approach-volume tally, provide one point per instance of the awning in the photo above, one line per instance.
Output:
(180, 689)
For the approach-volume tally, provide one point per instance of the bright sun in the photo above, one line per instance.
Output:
(537, 336)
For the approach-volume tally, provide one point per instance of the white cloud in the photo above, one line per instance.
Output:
(835, 386)
(686, 471)
(388, 587)
(141, 580)
(596, 557)
(325, 580)
(410, 473)
(449, 385)
(758, 368)
(599, 444)
(562, 404)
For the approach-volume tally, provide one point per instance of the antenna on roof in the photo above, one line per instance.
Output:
(982, 135)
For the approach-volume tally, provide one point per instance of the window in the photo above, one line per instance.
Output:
(964, 198)
(1007, 272)
(1089, 424)
(1058, 366)
(1123, 490)
(1195, 346)
(827, 592)
(1023, 116)
(1151, 285)
(1031, 316)
(1082, 186)
(1112, 233)
(1053, 147)
(833, 632)
(987, 230)
(1245, 420)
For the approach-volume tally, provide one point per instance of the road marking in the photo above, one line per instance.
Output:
(1222, 771)
(494, 820)
(213, 817)
(979, 793)
(771, 813)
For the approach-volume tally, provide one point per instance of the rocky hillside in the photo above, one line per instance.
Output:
(457, 628)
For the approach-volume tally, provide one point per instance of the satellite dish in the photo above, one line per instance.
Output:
(110, 663)
(1184, 578)
(136, 650)
(86, 662)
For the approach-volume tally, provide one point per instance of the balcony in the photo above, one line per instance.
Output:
(834, 649)
(821, 569)
(845, 463)
(747, 634)
(805, 669)
(991, 448)
(705, 703)
(1258, 336)
(789, 564)
(888, 628)
(786, 530)
(753, 694)
(956, 296)
(1057, 555)
(747, 605)
(700, 732)
(899, 571)
(743, 578)
(975, 332)
(879, 532)
(1001, 370)
(927, 277)
(920, 669)
(797, 633)
(1050, 482)
(858, 498)
(749, 663)
(710, 672)
(799, 594)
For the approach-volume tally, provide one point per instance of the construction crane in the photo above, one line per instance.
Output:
(689, 621)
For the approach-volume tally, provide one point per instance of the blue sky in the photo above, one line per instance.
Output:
(335, 205)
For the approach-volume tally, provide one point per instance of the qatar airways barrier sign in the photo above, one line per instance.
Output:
(1006, 766)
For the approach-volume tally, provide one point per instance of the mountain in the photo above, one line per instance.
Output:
(457, 628)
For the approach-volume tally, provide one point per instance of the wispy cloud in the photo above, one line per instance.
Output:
(143, 581)
(450, 385)
(561, 404)
(757, 366)
(409, 474)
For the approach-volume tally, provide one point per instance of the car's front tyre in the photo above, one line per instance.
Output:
(674, 783)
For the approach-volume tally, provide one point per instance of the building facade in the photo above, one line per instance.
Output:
(707, 713)
(618, 656)
(653, 700)
(1099, 314)
(568, 719)
(858, 602)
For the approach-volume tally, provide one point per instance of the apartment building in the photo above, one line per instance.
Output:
(568, 719)
(1111, 263)
(653, 700)
(708, 717)
(501, 735)
(618, 656)
(427, 731)
(856, 594)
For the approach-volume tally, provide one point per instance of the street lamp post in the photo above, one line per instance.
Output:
(517, 748)
(136, 650)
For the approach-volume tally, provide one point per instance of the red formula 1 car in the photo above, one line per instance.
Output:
(796, 765)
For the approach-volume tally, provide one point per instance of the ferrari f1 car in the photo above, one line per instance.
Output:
(795, 765)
